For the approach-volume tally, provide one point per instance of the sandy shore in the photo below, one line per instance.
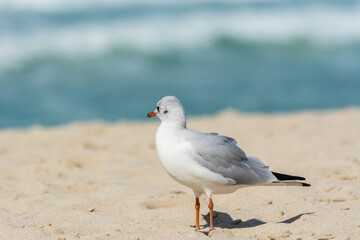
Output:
(104, 181)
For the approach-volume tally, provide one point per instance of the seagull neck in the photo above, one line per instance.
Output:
(175, 125)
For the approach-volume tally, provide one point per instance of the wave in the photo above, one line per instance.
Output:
(68, 5)
(320, 26)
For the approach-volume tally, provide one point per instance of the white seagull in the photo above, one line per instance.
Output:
(207, 162)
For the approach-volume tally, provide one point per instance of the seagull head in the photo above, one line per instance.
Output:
(168, 109)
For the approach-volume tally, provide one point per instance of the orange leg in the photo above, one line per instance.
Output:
(197, 207)
(211, 206)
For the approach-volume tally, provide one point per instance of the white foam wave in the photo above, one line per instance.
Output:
(319, 25)
(68, 5)
(57, 5)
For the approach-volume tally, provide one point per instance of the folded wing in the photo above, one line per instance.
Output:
(220, 154)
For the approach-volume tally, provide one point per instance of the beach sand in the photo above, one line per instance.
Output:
(104, 181)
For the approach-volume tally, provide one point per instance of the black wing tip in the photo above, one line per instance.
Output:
(284, 177)
(306, 185)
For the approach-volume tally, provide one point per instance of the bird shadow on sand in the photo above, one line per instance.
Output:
(293, 219)
(225, 221)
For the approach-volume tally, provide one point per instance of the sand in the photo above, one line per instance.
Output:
(102, 180)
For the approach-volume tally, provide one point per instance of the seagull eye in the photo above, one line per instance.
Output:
(158, 108)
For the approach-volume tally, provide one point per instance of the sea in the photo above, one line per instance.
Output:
(65, 61)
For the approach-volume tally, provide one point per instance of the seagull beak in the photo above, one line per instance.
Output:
(151, 114)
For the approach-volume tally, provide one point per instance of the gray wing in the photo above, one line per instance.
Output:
(220, 154)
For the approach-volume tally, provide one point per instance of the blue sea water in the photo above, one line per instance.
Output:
(64, 61)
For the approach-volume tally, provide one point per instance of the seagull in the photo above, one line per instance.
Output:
(208, 163)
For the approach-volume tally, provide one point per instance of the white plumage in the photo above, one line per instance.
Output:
(207, 162)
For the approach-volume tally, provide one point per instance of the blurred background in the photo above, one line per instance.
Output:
(63, 60)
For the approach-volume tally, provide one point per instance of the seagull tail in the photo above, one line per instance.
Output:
(288, 180)
(290, 183)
